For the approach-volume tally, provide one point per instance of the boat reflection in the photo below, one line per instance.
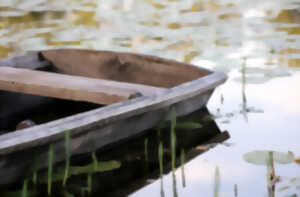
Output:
(142, 159)
(139, 167)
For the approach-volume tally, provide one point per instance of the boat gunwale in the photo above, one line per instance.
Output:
(55, 130)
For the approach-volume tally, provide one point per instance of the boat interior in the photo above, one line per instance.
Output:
(53, 84)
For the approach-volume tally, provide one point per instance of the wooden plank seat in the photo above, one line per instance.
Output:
(71, 87)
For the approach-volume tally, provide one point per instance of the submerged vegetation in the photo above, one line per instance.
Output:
(62, 176)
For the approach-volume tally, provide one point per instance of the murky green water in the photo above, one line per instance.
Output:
(257, 43)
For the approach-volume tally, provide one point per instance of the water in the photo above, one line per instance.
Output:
(256, 43)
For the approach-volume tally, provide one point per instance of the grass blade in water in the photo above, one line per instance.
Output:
(67, 147)
(89, 183)
(271, 178)
(95, 161)
(50, 168)
(146, 149)
(160, 159)
(173, 136)
(24, 189)
(34, 175)
(217, 182)
(182, 168)
(175, 194)
(235, 190)
(90, 173)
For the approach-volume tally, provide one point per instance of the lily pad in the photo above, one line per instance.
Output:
(261, 157)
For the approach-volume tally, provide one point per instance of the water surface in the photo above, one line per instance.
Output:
(257, 43)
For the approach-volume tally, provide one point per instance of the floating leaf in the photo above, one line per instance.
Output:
(174, 26)
(196, 7)
(261, 157)
(190, 56)
(282, 188)
(158, 5)
(293, 195)
(295, 179)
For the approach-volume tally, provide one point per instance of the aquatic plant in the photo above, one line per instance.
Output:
(173, 136)
(35, 170)
(236, 191)
(25, 189)
(50, 168)
(146, 149)
(67, 148)
(268, 158)
(182, 167)
(160, 159)
(217, 182)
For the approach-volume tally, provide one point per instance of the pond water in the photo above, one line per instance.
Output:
(257, 43)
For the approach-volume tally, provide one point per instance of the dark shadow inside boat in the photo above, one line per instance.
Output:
(17, 107)
(138, 159)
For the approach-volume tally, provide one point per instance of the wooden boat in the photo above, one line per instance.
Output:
(130, 92)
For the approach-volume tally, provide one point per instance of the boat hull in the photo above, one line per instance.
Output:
(100, 128)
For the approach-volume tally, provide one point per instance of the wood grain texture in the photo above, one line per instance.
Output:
(82, 123)
(70, 87)
(88, 139)
(103, 127)
(124, 67)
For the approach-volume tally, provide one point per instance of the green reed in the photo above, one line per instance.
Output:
(161, 167)
(67, 148)
(25, 188)
(182, 159)
(217, 182)
(160, 158)
(174, 184)
(90, 173)
(35, 170)
(146, 141)
(173, 136)
(89, 183)
(235, 190)
(50, 168)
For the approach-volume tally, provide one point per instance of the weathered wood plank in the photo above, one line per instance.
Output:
(94, 137)
(70, 87)
(126, 67)
(110, 115)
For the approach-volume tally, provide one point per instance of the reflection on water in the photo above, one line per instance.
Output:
(124, 169)
(255, 42)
